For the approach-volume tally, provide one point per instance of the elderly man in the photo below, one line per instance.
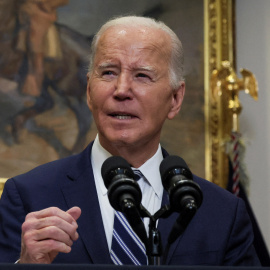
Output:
(60, 213)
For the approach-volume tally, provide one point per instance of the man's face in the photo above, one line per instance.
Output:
(129, 91)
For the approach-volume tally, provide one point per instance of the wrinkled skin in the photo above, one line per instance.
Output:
(129, 91)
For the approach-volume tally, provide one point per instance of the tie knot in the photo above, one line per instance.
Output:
(137, 175)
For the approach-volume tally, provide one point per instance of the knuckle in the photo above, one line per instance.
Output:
(29, 215)
(52, 231)
(31, 246)
(55, 220)
(51, 244)
(26, 226)
(27, 238)
(53, 210)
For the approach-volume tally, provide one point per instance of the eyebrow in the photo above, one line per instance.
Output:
(106, 65)
(113, 65)
(153, 71)
(147, 68)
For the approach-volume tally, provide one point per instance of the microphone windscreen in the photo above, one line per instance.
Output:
(110, 167)
(171, 163)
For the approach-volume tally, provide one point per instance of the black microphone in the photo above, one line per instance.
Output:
(177, 180)
(119, 180)
(124, 193)
(185, 195)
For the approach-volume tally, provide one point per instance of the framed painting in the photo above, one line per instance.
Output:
(43, 110)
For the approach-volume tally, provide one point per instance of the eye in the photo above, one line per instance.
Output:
(143, 77)
(107, 72)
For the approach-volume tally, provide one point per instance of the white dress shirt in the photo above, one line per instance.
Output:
(152, 189)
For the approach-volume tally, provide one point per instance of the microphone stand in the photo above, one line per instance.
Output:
(133, 216)
(181, 223)
(153, 243)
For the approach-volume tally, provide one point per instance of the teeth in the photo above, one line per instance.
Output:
(123, 117)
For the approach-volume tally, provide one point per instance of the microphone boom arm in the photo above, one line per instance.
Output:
(133, 216)
(182, 221)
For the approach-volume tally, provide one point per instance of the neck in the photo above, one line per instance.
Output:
(135, 155)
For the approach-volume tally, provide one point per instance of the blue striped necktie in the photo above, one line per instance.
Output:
(127, 247)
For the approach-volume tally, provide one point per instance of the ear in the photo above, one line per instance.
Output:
(177, 99)
(89, 103)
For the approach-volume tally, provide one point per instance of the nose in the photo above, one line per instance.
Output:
(123, 88)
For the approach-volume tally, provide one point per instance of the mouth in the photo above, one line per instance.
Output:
(122, 116)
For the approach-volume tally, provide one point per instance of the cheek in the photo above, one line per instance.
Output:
(161, 104)
(99, 103)
(93, 97)
(89, 102)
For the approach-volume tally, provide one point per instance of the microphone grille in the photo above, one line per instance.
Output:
(112, 164)
(174, 162)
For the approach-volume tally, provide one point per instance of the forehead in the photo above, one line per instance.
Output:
(135, 42)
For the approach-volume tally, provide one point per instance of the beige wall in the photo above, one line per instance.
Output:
(253, 53)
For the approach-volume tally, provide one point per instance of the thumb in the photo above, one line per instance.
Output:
(75, 212)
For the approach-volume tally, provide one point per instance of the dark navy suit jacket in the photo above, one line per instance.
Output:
(219, 234)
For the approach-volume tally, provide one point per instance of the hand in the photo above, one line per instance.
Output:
(47, 232)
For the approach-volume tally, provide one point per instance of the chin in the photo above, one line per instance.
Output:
(124, 141)
(120, 139)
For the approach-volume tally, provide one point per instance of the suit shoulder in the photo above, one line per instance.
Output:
(211, 187)
(56, 169)
(216, 195)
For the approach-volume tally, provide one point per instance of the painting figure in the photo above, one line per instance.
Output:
(37, 36)
(41, 66)
(44, 52)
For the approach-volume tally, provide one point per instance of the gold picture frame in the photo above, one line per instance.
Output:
(218, 46)
(2, 183)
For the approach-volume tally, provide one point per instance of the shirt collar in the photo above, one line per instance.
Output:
(98, 156)
(150, 169)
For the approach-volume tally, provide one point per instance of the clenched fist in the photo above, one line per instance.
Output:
(47, 232)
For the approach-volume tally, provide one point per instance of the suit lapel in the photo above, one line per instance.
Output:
(80, 190)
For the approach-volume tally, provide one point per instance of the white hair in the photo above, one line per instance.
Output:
(177, 59)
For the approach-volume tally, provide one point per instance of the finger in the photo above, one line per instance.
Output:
(42, 251)
(51, 211)
(51, 221)
(51, 232)
(75, 212)
(52, 217)
(34, 225)
(50, 245)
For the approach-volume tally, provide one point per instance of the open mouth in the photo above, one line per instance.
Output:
(122, 116)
